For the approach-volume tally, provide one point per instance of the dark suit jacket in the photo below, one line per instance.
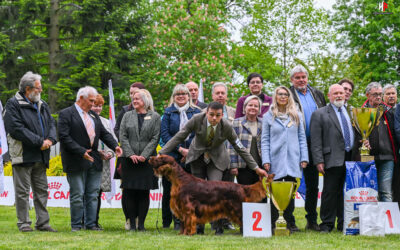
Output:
(327, 142)
(218, 152)
(74, 140)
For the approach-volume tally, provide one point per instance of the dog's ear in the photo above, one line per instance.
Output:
(270, 178)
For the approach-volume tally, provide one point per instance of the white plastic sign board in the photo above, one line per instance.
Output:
(256, 219)
(392, 216)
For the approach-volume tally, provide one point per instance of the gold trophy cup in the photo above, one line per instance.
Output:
(364, 120)
(281, 193)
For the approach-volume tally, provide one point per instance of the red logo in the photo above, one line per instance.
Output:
(383, 6)
(54, 185)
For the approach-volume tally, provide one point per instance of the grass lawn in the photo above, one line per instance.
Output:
(115, 237)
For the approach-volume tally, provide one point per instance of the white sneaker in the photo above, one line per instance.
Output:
(128, 225)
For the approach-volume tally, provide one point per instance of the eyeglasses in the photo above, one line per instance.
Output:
(376, 95)
(255, 82)
(180, 94)
(283, 94)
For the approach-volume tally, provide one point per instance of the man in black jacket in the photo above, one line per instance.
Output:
(79, 131)
(31, 131)
(308, 100)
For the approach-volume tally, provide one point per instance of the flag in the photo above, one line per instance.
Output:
(201, 92)
(110, 194)
(3, 148)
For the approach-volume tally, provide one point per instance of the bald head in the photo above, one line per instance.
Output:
(194, 90)
(336, 95)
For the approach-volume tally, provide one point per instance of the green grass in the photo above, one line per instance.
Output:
(115, 237)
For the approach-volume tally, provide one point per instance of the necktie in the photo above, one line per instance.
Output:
(210, 136)
(346, 131)
(89, 127)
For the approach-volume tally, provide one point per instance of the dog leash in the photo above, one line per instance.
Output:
(159, 203)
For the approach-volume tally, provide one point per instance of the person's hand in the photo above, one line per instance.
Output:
(141, 158)
(267, 166)
(303, 164)
(46, 144)
(367, 145)
(107, 156)
(118, 151)
(261, 172)
(321, 168)
(134, 158)
(183, 151)
(234, 171)
(102, 155)
(87, 156)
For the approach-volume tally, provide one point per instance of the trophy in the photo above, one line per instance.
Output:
(364, 120)
(281, 193)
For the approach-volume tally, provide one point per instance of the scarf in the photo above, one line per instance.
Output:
(182, 114)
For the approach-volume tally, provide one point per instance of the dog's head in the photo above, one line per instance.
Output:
(162, 164)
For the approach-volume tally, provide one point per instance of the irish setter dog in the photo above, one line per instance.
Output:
(196, 201)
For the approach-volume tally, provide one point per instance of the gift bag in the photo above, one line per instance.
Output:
(361, 187)
(372, 220)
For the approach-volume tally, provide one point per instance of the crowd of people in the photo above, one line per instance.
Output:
(292, 134)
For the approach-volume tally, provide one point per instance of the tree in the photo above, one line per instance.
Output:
(186, 41)
(373, 36)
(71, 44)
(290, 29)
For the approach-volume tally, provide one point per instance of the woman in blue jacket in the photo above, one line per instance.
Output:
(284, 146)
(175, 117)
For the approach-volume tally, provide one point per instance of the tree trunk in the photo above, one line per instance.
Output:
(54, 48)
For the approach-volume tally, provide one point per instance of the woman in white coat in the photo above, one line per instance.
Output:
(284, 146)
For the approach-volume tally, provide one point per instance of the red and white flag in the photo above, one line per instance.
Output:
(110, 194)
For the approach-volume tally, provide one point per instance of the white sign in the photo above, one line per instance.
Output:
(256, 219)
(392, 216)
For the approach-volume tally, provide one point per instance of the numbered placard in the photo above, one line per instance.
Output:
(256, 219)
(392, 215)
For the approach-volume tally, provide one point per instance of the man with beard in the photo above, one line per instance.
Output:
(31, 130)
(332, 139)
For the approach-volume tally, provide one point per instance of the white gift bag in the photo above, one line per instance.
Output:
(372, 220)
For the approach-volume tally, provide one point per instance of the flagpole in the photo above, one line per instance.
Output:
(110, 194)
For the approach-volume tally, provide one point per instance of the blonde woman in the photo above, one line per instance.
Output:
(284, 146)
(139, 135)
(175, 117)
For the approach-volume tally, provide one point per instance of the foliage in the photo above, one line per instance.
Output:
(373, 36)
(290, 29)
(186, 41)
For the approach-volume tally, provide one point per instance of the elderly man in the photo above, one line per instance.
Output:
(332, 139)
(308, 100)
(31, 131)
(194, 93)
(348, 87)
(390, 95)
(255, 82)
(79, 131)
(208, 156)
(382, 141)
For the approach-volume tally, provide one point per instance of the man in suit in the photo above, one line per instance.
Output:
(194, 93)
(332, 139)
(308, 99)
(207, 155)
(220, 94)
(79, 131)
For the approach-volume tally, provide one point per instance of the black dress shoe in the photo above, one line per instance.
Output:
(312, 226)
(200, 229)
(26, 229)
(47, 229)
(219, 231)
(340, 228)
(293, 228)
(141, 228)
(95, 228)
(324, 230)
